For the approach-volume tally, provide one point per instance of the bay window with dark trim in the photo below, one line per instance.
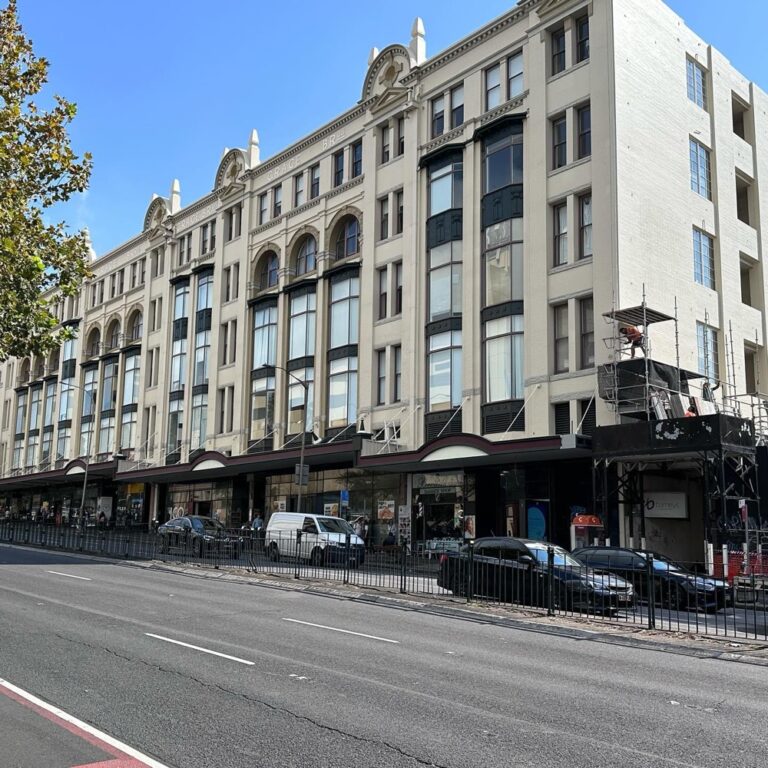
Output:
(445, 278)
(342, 368)
(444, 371)
(302, 325)
(264, 336)
(345, 312)
(199, 429)
(342, 392)
(446, 185)
(503, 163)
(504, 358)
(262, 407)
(175, 426)
(21, 412)
(63, 443)
(503, 261)
(297, 419)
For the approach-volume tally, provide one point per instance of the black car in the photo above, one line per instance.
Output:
(195, 534)
(516, 571)
(674, 585)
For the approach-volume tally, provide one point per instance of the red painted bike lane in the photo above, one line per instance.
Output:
(36, 734)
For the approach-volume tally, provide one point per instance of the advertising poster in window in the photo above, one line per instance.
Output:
(469, 527)
(386, 510)
(536, 515)
(513, 518)
(404, 523)
(332, 510)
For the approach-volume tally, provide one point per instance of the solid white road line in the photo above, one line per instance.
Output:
(198, 648)
(70, 575)
(345, 631)
(80, 725)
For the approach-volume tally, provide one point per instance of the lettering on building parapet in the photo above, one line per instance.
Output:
(292, 163)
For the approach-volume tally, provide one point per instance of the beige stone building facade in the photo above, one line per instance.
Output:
(432, 269)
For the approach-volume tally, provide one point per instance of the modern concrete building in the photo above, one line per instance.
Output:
(433, 270)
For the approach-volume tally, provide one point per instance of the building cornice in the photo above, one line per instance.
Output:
(488, 31)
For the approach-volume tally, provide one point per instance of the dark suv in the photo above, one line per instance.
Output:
(516, 571)
(674, 585)
(197, 535)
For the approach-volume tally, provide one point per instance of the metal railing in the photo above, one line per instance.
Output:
(656, 595)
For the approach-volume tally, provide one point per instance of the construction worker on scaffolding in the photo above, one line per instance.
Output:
(634, 337)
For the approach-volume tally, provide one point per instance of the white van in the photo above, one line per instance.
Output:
(323, 539)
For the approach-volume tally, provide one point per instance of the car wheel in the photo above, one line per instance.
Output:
(318, 556)
(274, 553)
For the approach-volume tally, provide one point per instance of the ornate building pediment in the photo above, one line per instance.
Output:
(231, 168)
(154, 219)
(382, 82)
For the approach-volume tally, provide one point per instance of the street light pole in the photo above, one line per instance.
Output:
(87, 457)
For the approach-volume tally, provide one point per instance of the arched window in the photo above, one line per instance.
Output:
(93, 346)
(268, 272)
(348, 238)
(306, 259)
(113, 336)
(137, 326)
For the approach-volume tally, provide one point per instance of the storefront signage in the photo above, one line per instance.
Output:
(404, 523)
(666, 504)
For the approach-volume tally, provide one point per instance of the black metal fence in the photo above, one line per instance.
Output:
(658, 595)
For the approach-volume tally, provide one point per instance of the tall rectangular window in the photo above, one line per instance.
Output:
(503, 262)
(381, 278)
(106, 435)
(584, 120)
(703, 259)
(381, 376)
(345, 312)
(199, 429)
(131, 380)
(398, 211)
(503, 162)
(232, 220)
(342, 392)
(338, 168)
(383, 218)
(586, 333)
(357, 158)
(457, 106)
(302, 330)
(128, 430)
(175, 426)
(560, 234)
(314, 182)
(263, 208)
(277, 201)
(446, 187)
(444, 280)
(559, 143)
(230, 283)
(438, 116)
(63, 443)
(697, 83)
(504, 359)
(400, 136)
(202, 354)
(708, 354)
(515, 74)
(384, 134)
(493, 86)
(298, 190)
(35, 411)
(444, 371)
(582, 39)
(398, 282)
(397, 373)
(262, 407)
(557, 43)
(700, 174)
(560, 315)
(264, 336)
(585, 226)
(178, 365)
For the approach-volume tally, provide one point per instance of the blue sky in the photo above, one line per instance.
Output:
(163, 87)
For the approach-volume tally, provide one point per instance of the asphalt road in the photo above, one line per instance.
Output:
(128, 650)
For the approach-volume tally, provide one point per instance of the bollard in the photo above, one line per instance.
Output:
(651, 594)
(550, 581)
(296, 573)
(403, 556)
(347, 546)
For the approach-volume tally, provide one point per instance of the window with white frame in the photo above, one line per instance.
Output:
(175, 426)
(504, 359)
(515, 75)
(560, 234)
(493, 86)
(703, 259)
(582, 39)
(444, 371)
(445, 280)
(302, 326)
(557, 45)
(503, 261)
(697, 83)
(446, 184)
(199, 430)
(560, 315)
(299, 195)
(700, 173)
(586, 333)
(298, 420)
(585, 226)
(262, 407)
(264, 336)
(397, 373)
(344, 312)
(128, 429)
(438, 115)
(381, 376)
(457, 106)
(708, 354)
(131, 380)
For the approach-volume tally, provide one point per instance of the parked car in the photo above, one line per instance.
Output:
(674, 585)
(323, 539)
(197, 534)
(516, 571)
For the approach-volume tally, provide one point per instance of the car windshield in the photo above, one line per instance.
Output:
(661, 563)
(206, 523)
(561, 556)
(334, 525)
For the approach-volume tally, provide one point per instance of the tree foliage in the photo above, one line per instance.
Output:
(39, 261)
